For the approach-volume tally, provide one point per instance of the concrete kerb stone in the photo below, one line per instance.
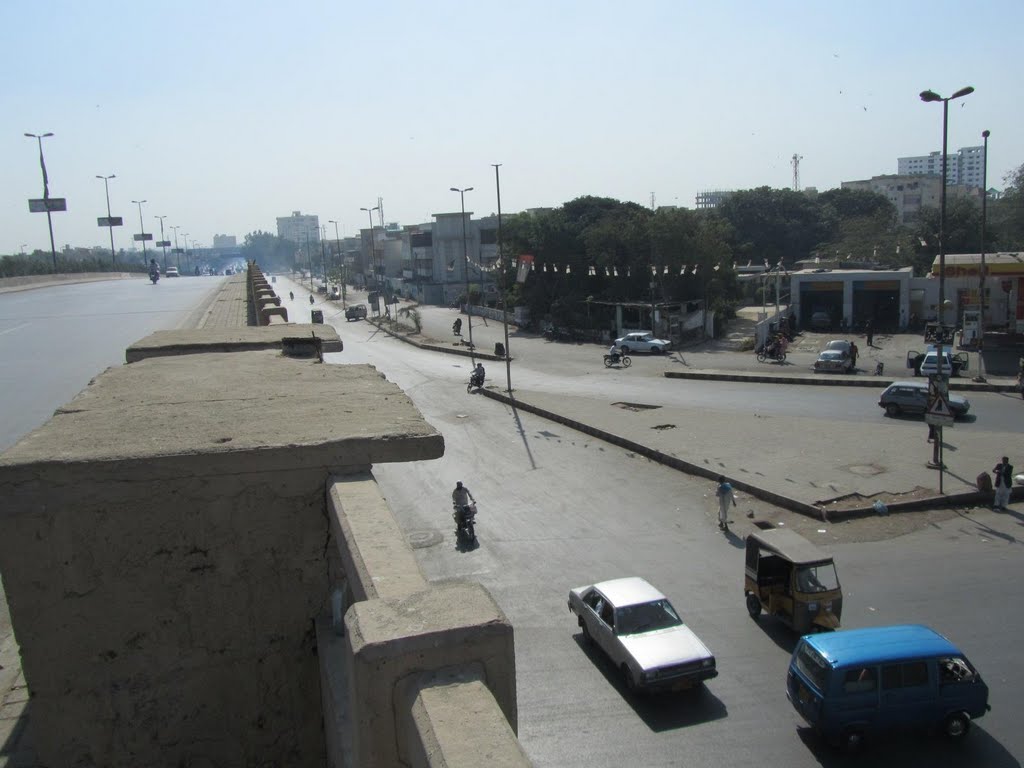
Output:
(268, 312)
(829, 380)
(377, 323)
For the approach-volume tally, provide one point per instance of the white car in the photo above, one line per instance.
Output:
(642, 635)
(172, 272)
(642, 341)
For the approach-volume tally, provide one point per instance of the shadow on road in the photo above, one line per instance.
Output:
(522, 431)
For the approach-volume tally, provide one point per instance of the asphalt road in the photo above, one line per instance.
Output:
(559, 510)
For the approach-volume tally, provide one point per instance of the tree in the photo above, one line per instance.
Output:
(1005, 220)
(269, 251)
(773, 224)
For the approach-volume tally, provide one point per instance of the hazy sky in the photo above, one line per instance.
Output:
(223, 114)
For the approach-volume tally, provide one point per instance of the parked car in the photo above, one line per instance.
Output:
(833, 361)
(355, 312)
(642, 341)
(172, 272)
(636, 626)
(927, 363)
(821, 320)
(912, 397)
(841, 345)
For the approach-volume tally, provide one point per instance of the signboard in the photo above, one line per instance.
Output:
(44, 204)
(177, 250)
(143, 236)
(163, 243)
(938, 413)
(111, 221)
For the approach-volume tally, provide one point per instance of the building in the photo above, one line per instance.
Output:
(298, 228)
(711, 198)
(224, 241)
(910, 193)
(1004, 288)
(965, 168)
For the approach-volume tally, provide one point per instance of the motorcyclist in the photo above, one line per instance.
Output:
(154, 268)
(457, 326)
(614, 353)
(461, 498)
(478, 374)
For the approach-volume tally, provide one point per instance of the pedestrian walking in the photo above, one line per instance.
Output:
(726, 495)
(853, 355)
(1003, 472)
(870, 333)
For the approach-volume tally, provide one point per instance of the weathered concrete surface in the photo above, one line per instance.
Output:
(448, 625)
(376, 559)
(240, 339)
(451, 720)
(164, 546)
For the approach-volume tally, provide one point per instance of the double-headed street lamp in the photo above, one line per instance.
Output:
(142, 228)
(465, 258)
(177, 250)
(942, 373)
(163, 243)
(46, 192)
(373, 248)
(110, 221)
(341, 262)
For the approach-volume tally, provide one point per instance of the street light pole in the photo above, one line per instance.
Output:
(373, 248)
(940, 376)
(465, 258)
(981, 287)
(142, 228)
(504, 284)
(184, 237)
(177, 250)
(162, 241)
(110, 226)
(46, 192)
(341, 263)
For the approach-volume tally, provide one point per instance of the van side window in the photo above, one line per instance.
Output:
(860, 680)
(954, 670)
(909, 675)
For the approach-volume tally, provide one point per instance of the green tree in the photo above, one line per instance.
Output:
(1005, 219)
(773, 225)
(269, 251)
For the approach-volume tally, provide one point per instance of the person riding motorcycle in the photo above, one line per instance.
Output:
(477, 377)
(461, 498)
(614, 354)
(457, 326)
(154, 268)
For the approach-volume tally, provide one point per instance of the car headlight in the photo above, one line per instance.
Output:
(708, 663)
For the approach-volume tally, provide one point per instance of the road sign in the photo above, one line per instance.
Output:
(938, 413)
(163, 243)
(109, 221)
(144, 236)
(44, 204)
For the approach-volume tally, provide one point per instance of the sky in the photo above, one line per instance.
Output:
(223, 115)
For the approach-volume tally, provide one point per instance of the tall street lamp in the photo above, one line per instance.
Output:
(341, 263)
(940, 376)
(110, 221)
(504, 284)
(46, 191)
(981, 287)
(163, 243)
(142, 228)
(177, 250)
(373, 248)
(465, 258)
(184, 238)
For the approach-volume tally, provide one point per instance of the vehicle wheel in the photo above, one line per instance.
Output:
(607, 362)
(782, 357)
(586, 632)
(626, 361)
(470, 532)
(761, 357)
(852, 741)
(469, 388)
(753, 606)
(630, 683)
(892, 410)
(657, 350)
(624, 350)
(956, 725)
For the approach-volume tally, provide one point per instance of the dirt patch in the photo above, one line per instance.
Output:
(635, 406)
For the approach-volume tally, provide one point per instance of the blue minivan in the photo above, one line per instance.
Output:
(853, 684)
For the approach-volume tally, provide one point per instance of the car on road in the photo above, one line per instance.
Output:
(637, 628)
(642, 341)
(172, 272)
(355, 312)
(820, 320)
(912, 397)
(833, 361)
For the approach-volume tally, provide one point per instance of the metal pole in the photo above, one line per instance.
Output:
(46, 193)
(162, 241)
(341, 263)
(981, 286)
(142, 228)
(177, 250)
(465, 258)
(504, 285)
(106, 187)
(309, 259)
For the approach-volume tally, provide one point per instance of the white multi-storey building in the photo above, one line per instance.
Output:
(965, 167)
(298, 227)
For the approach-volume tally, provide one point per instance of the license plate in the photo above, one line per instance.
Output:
(803, 694)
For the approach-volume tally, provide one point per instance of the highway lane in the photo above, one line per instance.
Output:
(559, 510)
(54, 340)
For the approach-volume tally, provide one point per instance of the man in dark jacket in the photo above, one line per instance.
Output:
(1003, 482)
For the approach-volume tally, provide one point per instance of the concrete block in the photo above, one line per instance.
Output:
(448, 625)
(266, 313)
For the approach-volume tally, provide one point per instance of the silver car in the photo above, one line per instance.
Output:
(912, 397)
(639, 630)
(642, 341)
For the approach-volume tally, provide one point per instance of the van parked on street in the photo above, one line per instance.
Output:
(853, 685)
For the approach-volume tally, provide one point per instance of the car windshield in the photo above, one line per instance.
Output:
(817, 578)
(646, 617)
(811, 663)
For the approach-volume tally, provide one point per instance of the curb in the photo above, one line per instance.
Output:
(376, 323)
(813, 511)
(832, 381)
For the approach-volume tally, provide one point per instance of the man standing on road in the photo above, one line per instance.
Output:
(870, 333)
(1003, 483)
(725, 495)
(853, 356)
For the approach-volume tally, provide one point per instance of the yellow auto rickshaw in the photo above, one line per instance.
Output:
(789, 577)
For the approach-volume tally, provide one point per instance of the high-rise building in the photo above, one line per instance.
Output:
(963, 168)
(298, 227)
(224, 241)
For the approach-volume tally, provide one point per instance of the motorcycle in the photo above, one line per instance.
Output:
(475, 380)
(772, 351)
(617, 359)
(154, 276)
(465, 519)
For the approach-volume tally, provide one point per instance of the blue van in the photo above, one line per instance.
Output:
(853, 684)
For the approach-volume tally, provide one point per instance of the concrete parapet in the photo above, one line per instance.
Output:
(388, 640)
(451, 719)
(241, 339)
(377, 560)
(266, 313)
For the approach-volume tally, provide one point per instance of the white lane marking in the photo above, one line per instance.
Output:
(23, 325)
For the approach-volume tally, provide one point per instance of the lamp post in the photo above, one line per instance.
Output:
(940, 377)
(465, 258)
(46, 192)
(504, 284)
(162, 241)
(142, 228)
(177, 250)
(184, 238)
(373, 248)
(110, 225)
(981, 286)
(341, 263)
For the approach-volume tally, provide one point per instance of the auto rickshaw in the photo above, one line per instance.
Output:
(788, 577)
